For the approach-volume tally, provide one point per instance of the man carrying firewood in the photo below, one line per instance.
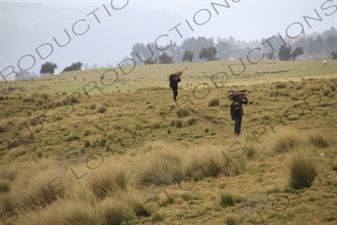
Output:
(174, 80)
(236, 109)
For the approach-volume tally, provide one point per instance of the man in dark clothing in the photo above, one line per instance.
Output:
(236, 111)
(174, 80)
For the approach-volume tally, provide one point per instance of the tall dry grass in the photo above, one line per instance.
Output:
(303, 169)
(171, 164)
(286, 141)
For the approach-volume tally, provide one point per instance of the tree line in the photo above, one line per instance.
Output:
(206, 49)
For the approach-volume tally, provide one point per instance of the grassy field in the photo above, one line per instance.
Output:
(86, 152)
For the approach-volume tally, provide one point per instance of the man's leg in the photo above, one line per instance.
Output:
(236, 125)
(175, 93)
(239, 124)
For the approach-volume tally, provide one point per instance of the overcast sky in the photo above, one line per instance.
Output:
(24, 26)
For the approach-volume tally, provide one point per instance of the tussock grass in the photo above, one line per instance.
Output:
(164, 167)
(67, 213)
(157, 217)
(107, 179)
(79, 213)
(276, 93)
(318, 140)
(92, 106)
(179, 124)
(39, 192)
(183, 112)
(239, 164)
(9, 172)
(302, 170)
(5, 124)
(156, 125)
(101, 109)
(117, 211)
(192, 121)
(286, 141)
(4, 186)
(214, 102)
(280, 86)
(174, 164)
(226, 199)
(250, 150)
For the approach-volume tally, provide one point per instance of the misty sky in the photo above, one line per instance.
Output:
(25, 25)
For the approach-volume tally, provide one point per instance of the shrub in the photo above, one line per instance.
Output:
(214, 102)
(303, 171)
(226, 199)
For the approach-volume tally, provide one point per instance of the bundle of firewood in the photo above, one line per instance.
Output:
(240, 94)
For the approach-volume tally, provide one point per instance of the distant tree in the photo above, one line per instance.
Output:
(298, 51)
(224, 49)
(94, 66)
(208, 53)
(188, 56)
(152, 61)
(48, 67)
(331, 41)
(270, 55)
(86, 66)
(165, 58)
(334, 54)
(286, 54)
(25, 75)
(73, 67)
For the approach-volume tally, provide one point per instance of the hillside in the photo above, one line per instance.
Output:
(127, 154)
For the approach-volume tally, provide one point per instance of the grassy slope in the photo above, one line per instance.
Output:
(78, 136)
